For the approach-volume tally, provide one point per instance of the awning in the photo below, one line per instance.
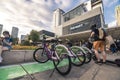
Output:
(114, 32)
(76, 36)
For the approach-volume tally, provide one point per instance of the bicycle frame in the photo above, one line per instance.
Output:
(50, 53)
(70, 52)
(78, 48)
(82, 48)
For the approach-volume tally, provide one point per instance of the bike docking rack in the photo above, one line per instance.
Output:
(74, 52)
(63, 57)
(44, 54)
(59, 58)
(81, 50)
(71, 54)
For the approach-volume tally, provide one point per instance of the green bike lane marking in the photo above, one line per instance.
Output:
(17, 71)
(11, 72)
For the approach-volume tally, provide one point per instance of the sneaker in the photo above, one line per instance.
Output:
(98, 62)
(104, 62)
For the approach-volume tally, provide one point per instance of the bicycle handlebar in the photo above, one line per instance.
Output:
(50, 41)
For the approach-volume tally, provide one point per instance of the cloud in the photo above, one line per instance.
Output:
(29, 14)
(34, 14)
(112, 24)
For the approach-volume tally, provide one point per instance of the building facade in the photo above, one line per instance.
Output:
(117, 14)
(78, 19)
(24, 37)
(47, 33)
(1, 27)
(14, 33)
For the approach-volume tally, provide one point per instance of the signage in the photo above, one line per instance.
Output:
(76, 27)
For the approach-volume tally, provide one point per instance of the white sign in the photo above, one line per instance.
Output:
(75, 27)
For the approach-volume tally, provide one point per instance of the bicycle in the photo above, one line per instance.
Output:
(62, 62)
(75, 53)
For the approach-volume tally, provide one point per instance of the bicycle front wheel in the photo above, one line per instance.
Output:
(63, 66)
(40, 55)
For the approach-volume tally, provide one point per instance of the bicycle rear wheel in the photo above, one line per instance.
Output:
(88, 57)
(63, 66)
(40, 55)
(79, 60)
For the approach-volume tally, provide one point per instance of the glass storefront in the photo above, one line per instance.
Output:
(82, 25)
(75, 12)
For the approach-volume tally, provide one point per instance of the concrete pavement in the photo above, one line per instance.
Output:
(89, 71)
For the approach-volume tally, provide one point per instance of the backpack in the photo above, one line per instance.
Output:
(102, 33)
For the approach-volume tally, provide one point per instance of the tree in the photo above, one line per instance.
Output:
(15, 41)
(34, 36)
(25, 43)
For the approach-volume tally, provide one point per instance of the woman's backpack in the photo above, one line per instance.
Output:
(102, 33)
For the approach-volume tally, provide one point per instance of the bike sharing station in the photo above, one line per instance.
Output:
(58, 57)
(15, 71)
(62, 62)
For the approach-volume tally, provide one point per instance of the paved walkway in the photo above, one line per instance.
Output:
(103, 72)
(89, 71)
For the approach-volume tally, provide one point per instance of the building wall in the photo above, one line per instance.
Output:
(77, 15)
(59, 31)
(88, 5)
(83, 25)
(117, 13)
(99, 5)
(57, 19)
(96, 4)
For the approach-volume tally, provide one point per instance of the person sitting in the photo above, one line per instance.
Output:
(6, 44)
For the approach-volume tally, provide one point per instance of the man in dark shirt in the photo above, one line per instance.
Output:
(99, 43)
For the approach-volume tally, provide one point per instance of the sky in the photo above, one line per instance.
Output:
(37, 14)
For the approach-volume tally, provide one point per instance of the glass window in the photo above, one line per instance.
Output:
(80, 10)
(66, 17)
(71, 14)
(82, 25)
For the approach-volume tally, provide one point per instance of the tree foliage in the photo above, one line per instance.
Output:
(34, 36)
(15, 41)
